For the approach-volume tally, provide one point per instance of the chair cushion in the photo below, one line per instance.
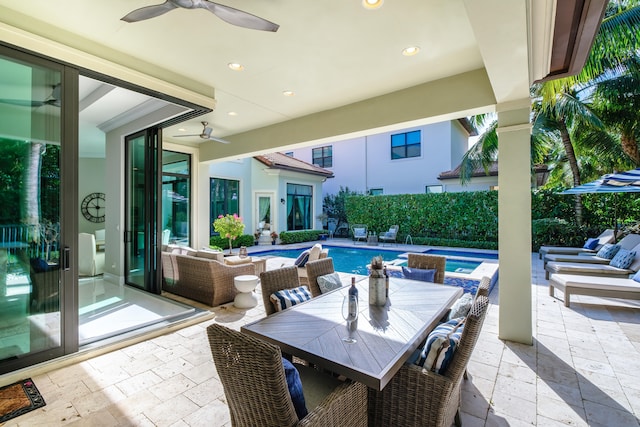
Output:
(359, 231)
(329, 282)
(389, 235)
(636, 277)
(295, 388)
(440, 345)
(591, 243)
(302, 258)
(608, 251)
(418, 274)
(461, 307)
(289, 297)
(623, 258)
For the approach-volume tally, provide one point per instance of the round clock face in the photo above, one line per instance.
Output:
(93, 207)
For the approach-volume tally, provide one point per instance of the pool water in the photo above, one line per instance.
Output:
(355, 260)
(465, 254)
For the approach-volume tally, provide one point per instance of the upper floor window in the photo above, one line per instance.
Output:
(375, 191)
(434, 189)
(405, 145)
(323, 157)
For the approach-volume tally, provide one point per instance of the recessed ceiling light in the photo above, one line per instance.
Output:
(182, 130)
(372, 4)
(235, 66)
(289, 93)
(410, 51)
(232, 113)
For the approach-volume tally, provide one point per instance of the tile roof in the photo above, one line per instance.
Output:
(493, 171)
(282, 161)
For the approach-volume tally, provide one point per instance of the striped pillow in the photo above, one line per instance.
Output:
(289, 297)
(440, 346)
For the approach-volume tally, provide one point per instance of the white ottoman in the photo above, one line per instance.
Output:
(245, 285)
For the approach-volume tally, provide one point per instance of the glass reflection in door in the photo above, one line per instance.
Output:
(30, 252)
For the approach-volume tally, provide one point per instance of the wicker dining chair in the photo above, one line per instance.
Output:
(317, 268)
(418, 397)
(276, 280)
(428, 262)
(255, 386)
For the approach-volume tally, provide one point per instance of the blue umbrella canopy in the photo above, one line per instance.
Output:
(623, 182)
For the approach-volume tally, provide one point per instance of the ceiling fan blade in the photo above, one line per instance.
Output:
(23, 103)
(148, 12)
(239, 17)
(182, 136)
(223, 141)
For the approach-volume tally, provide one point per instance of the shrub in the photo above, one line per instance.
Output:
(287, 237)
(244, 240)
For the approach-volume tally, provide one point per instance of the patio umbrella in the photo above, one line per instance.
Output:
(624, 182)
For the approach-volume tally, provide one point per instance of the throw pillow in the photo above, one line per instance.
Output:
(315, 251)
(329, 282)
(295, 388)
(302, 258)
(358, 232)
(461, 307)
(418, 274)
(608, 251)
(636, 277)
(623, 258)
(591, 243)
(440, 346)
(289, 297)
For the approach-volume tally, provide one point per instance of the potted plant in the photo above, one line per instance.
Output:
(229, 227)
(274, 237)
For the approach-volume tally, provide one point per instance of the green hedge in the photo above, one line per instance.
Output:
(244, 240)
(287, 237)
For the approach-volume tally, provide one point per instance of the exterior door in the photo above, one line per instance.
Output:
(264, 211)
(141, 211)
(36, 238)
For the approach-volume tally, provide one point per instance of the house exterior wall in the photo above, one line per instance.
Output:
(482, 183)
(364, 163)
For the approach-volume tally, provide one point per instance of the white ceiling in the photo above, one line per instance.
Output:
(330, 53)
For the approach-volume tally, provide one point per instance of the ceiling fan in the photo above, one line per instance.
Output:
(53, 99)
(206, 134)
(226, 13)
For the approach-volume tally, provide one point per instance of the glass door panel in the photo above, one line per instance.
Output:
(176, 193)
(30, 234)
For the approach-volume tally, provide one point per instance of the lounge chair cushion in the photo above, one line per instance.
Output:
(461, 307)
(294, 384)
(302, 259)
(418, 274)
(623, 258)
(636, 277)
(329, 282)
(591, 243)
(289, 297)
(608, 251)
(440, 346)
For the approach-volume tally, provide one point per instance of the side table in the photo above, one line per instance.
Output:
(372, 240)
(245, 285)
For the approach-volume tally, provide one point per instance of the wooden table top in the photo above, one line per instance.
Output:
(386, 336)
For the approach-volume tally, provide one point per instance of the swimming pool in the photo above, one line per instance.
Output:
(355, 260)
(464, 254)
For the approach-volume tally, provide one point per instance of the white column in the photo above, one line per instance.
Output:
(514, 216)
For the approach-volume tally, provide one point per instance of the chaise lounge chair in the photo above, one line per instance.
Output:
(627, 242)
(606, 287)
(605, 237)
(591, 269)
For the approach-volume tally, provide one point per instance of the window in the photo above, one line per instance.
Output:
(434, 189)
(323, 157)
(299, 207)
(176, 191)
(289, 153)
(375, 191)
(225, 196)
(405, 145)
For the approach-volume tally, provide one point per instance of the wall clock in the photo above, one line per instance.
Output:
(93, 207)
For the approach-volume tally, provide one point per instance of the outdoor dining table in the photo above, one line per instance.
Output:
(386, 336)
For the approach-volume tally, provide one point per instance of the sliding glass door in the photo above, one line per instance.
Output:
(35, 263)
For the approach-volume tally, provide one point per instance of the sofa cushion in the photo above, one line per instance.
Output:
(289, 297)
(418, 274)
(608, 251)
(591, 243)
(623, 259)
(295, 388)
(461, 307)
(440, 346)
(302, 259)
(218, 256)
(329, 282)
